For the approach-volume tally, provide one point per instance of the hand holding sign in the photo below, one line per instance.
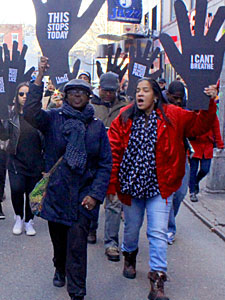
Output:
(58, 29)
(114, 67)
(16, 71)
(201, 60)
(140, 65)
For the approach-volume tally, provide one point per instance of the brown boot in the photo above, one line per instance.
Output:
(157, 280)
(129, 270)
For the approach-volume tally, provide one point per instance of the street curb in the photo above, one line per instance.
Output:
(204, 220)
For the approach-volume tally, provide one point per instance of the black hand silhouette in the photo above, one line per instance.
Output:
(140, 65)
(16, 70)
(4, 70)
(58, 29)
(198, 51)
(113, 67)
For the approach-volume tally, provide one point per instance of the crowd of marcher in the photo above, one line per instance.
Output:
(135, 155)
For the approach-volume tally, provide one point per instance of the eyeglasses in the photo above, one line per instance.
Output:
(77, 91)
(21, 94)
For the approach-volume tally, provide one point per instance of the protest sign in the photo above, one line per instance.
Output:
(58, 29)
(200, 62)
(140, 65)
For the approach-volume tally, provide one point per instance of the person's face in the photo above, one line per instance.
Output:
(22, 95)
(176, 98)
(162, 85)
(107, 96)
(145, 97)
(50, 86)
(84, 77)
(77, 98)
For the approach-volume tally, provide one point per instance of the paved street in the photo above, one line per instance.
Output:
(196, 265)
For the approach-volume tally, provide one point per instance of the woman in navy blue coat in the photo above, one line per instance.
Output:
(78, 186)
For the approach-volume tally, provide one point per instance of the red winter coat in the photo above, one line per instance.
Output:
(170, 150)
(203, 144)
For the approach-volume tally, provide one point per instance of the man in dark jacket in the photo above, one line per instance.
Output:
(107, 107)
(78, 185)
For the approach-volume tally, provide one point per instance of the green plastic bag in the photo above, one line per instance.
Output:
(38, 194)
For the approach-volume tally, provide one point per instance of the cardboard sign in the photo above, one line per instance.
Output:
(200, 62)
(12, 73)
(140, 65)
(113, 66)
(16, 70)
(58, 29)
(128, 11)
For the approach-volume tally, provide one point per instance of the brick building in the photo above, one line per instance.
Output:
(10, 33)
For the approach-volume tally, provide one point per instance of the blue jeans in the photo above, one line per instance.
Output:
(157, 225)
(178, 197)
(195, 175)
(112, 222)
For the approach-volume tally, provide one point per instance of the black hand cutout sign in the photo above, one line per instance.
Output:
(200, 62)
(58, 29)
(114, 66)
(140, 65)
(16, 71)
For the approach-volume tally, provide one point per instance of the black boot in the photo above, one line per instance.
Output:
(129, 270)
(59, 279)
(92, 237)
(73, 297)
(2, 216)
(157, 280)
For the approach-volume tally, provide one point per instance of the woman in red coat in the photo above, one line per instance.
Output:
(147, 142)
(203, 147)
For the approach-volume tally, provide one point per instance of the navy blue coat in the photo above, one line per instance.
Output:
(66, 189)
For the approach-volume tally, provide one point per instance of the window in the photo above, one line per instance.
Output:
(154, 18)
(193, 2)
(1, 38)
(172, 10)
(14, 37)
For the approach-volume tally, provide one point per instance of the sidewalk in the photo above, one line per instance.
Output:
(210, 209)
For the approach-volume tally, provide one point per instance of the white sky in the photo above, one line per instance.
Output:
(22, 11)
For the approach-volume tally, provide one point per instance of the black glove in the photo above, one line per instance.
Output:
(113, 67)
(58, 30)
(140, 65)
(200, 45)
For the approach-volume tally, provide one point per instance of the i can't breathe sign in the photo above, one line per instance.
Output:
(202, 61)
(58, 25)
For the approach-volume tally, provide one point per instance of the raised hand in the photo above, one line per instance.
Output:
(200, 62)
(16, 70)
(114, 66)
(140, 65)
(58, 29)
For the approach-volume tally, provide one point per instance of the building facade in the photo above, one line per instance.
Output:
(10, 33)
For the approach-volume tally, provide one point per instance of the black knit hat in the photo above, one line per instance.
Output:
(78, 84)
(87, 74)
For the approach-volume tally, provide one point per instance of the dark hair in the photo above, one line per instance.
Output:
(17, 104)
(133, 110)
(175, 87)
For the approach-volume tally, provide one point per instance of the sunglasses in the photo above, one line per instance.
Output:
(77, 91)
(21, 94)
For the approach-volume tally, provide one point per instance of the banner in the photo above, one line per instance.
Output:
(128, 11)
